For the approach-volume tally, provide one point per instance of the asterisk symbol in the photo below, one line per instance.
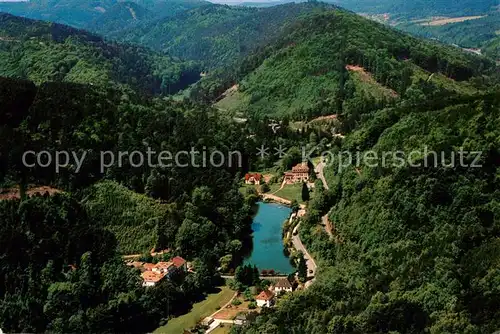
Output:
(262, 151)
(280, 151)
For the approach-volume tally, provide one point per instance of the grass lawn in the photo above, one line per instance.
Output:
(199, 312)
(274, 187)
(223, 329)
(316, 161)
(291, 192)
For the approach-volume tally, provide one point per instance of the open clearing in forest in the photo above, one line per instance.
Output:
(14, 193)
(441, 21)
(367, 84)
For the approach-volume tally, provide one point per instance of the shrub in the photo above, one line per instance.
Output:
(252, 305)
(236, 302)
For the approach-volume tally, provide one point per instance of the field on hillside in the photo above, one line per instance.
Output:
(234, 101)
(199, 312)
(222, 329)
(368, 86)
(447, 20)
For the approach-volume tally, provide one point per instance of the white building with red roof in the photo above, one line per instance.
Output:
(299, 173)
(253, 178)
(179, 263)
(265, 299)
(151, 278)
(153, 273)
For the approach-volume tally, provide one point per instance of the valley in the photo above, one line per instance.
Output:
(249, 168)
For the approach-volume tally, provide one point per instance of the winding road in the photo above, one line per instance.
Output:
(324, 220)
(311, 264)
(319, 173)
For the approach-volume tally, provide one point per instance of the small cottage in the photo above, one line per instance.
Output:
(283, 285)
(265, 299)
(253, 178)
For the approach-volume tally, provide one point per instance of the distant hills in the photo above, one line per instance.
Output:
(41, 51)
(123, 14)
(469, 32)
(420, 8)
(214, 35)
(199, 30)
(85, 14)
(217, 35)
(334, 62)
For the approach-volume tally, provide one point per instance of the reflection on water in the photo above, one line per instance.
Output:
(267, 252)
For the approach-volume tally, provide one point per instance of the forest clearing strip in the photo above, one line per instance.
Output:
(443, 21)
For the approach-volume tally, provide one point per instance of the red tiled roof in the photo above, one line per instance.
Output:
(256, 176)
(148, 266)
(300, 168)
(149, 276)
(164, 265)
(178, 261)
(265, 295)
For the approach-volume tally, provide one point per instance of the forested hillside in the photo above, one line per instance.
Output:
(206, 217)
(83, 14)
(133, 218)
(415, 245)
(217, 35)
(122, 15)
(41, 51)
(492, 48)
(60, 273)
(316, 65)
(64, 117)
(412, 248)
(416, 248)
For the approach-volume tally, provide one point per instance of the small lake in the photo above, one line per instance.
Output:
(267, 226)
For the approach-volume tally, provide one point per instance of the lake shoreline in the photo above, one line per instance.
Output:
(268, 251)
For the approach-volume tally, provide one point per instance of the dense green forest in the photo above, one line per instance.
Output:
(303, 74)
(85, 14)
(60, 273)
(129, 14)
(63, 116)
(41, 51)
(199, 212)
(217, 35)
(492, 48)
(132, 217)
(121, 15)
(414, 248)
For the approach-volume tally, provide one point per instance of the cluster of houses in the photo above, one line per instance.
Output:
(267, 298)
(153, 273)
(298, 174)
